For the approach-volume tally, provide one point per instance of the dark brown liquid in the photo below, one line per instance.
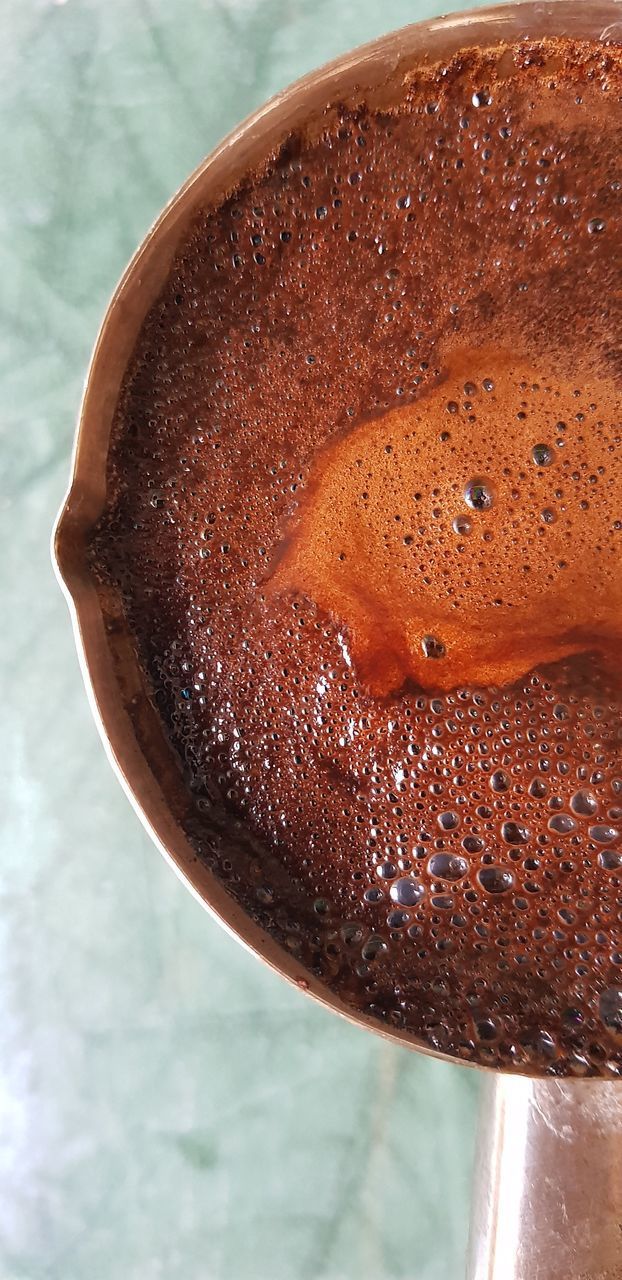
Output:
(365, 509)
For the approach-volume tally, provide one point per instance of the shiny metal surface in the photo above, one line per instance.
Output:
(547, 1201)
(548, 1196)
(367, 70)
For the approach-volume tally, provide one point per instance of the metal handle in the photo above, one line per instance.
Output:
(548, 1181)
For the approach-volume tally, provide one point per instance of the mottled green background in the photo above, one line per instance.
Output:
(169, 1110)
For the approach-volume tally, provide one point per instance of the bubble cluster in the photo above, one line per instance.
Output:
(362, 528)
(513, 573)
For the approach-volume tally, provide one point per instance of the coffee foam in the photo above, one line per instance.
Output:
(470, 535)
(436, 835)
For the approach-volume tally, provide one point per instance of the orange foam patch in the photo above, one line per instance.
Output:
(471, 535)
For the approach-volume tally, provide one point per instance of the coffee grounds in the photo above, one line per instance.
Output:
(363, 522)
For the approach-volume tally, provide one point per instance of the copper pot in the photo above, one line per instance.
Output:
(548, 1200)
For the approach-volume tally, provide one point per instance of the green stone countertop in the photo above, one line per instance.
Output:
(169, 1109)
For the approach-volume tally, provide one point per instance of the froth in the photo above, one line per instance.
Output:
(363, 521)
(471, 534)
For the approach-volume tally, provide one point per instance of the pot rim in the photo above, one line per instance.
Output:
(361, 71)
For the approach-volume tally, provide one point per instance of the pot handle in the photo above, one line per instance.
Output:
(547, 1201)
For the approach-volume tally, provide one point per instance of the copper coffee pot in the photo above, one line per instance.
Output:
(548, 1196)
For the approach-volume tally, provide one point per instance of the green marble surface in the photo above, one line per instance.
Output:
(169, 1109)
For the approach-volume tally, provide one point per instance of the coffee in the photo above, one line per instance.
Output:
(363, 529)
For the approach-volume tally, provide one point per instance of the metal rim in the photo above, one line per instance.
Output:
(370, 64)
